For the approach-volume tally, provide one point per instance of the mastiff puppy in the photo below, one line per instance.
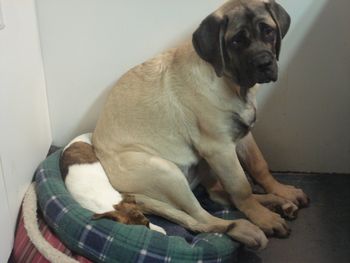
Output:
(184, 117)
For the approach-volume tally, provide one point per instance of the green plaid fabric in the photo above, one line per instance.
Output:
(107, 241)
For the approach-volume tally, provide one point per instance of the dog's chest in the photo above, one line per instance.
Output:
(243, 119)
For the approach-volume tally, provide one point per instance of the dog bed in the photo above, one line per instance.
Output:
(107, 241)
(34, 240)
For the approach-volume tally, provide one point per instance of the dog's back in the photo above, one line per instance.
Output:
(145, 112)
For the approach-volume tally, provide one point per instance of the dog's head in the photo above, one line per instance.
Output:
(126, 212)
(242, 40)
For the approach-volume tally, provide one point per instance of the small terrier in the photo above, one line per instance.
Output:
(88, 183)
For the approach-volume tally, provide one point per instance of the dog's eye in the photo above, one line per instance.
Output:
(240, 39)
(268, 32)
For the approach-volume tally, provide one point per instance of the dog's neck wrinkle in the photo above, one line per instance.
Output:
(233, 82)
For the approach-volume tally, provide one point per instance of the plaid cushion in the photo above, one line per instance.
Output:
(107, 241)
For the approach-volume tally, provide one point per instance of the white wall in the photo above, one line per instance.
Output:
(5, 221)
(25, 128)
(303, 119)
(88, 44)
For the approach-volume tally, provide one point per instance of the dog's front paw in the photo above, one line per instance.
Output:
(271, 223)
(283, 207)
(291, 193)
(248, 234)
(289, 210)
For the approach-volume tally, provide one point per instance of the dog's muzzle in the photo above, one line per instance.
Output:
(265, 67)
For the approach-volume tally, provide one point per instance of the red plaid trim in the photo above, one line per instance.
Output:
(25, 252)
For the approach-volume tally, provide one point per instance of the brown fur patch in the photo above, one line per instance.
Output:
(126, 212)
(77, 153)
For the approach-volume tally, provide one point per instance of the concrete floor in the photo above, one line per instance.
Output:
(321, 233)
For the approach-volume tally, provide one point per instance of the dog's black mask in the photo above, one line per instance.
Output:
(243, 41)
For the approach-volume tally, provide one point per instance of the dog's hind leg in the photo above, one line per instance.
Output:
(160, 208)
(241, 230)
(161, 188)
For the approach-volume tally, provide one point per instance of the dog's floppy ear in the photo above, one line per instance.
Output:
(282, 20)
(209, 43)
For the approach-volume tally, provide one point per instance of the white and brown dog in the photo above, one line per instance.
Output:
(88, 184)
(184, 117)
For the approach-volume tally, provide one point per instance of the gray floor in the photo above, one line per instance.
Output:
(321, 233)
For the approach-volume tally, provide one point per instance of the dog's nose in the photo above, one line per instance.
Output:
(262, 61)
